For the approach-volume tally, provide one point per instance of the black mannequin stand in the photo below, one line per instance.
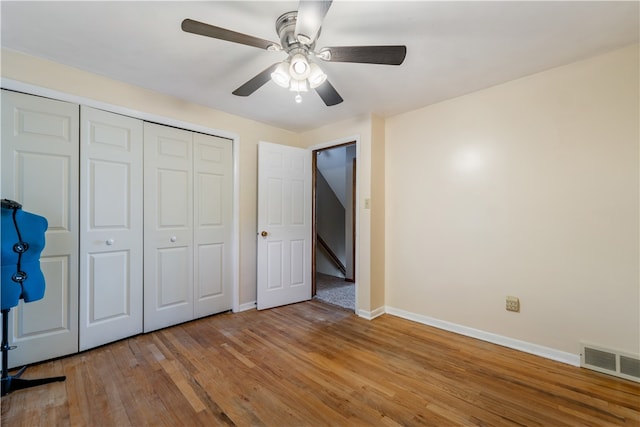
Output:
(14, 382)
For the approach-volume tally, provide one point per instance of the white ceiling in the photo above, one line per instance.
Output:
(453, 48)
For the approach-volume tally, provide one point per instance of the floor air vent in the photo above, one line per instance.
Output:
(610, 362)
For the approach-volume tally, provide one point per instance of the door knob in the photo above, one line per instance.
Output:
(173, 238)
(264, 234)
(110, 242)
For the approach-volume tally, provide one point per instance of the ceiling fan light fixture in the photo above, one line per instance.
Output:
(316, 76)
(281, 75)
(298, 86)
(299, 67)
(298, 31)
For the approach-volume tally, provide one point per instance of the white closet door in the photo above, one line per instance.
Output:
(213, 212)
(40, 170)
(111, 227)
(168, 226)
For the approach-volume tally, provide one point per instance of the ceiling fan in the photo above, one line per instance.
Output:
(298, 32)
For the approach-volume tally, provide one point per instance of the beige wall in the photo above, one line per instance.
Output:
(531, 189)
(75, 82)
(378, 208)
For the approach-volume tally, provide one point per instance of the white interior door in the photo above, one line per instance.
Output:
(213, 217)
(168, 226)
(111, 227)
(40, 159)
(284, 225)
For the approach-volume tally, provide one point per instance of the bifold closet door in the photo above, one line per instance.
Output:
(111, 227)
(213, 218)
(40, 170)
(168, 226)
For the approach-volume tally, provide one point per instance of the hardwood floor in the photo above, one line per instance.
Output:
(314, 364)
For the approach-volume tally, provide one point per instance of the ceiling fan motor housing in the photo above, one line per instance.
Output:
(286, 28)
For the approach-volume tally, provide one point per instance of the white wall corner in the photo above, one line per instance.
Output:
(370, 315)
(538, 350)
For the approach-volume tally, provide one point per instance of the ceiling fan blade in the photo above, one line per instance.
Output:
(329, 94)
(387, 55)
(311, 13)
(257, 82)
(200, 28)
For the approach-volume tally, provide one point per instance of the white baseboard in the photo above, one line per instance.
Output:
(370, 315)
(538, 350)
(247, 306)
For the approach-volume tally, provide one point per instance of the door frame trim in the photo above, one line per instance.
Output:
(31, 89)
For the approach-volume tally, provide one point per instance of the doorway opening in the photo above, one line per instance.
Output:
(334, 225)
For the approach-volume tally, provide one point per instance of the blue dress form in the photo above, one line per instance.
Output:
(32, 228)
(22, 244)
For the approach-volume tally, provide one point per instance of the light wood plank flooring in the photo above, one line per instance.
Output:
(312, 364)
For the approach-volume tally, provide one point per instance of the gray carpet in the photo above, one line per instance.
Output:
(335, 290)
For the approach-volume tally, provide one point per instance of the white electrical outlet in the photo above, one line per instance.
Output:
(513, 304)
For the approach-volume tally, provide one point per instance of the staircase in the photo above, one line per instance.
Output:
(330, 230)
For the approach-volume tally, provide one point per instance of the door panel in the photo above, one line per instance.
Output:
(40, 170)
(275, 257)
(173, 268)
(109, 288)
(275, 201)
(213, 224)
(40, 195)
(297, 253)
(110, 194)
(44, 317)
(211, 271)
(111, 223)
(284, 214)
(168, 226)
